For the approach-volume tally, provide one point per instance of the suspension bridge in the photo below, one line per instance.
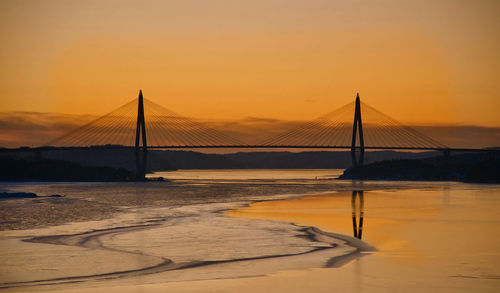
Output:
(142, 124)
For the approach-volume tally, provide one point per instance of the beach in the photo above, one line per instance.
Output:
(220, 232)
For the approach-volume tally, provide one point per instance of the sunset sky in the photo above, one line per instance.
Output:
(421, 62)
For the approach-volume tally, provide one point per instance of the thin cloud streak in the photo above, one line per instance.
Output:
(37, 128)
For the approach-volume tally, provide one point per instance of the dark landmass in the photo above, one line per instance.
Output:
(14, 195)
(166, 160)
(480, 168)
(4, 195)
(314, 159)
(94, 156)
(15, 169)
(106, 164)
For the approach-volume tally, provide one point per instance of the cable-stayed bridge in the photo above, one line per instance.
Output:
(142, 124)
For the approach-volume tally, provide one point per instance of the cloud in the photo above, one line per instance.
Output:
(463, 136)
(254, 130)
(37, 128)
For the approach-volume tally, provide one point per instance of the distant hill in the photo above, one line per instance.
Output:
(313, 160)
(95, 156)
(15, 169)
(99, 164)
(164, 160)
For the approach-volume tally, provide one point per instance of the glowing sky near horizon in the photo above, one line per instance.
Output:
(417, 61)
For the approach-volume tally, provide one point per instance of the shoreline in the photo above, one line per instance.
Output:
(416, 228)
(91, 240)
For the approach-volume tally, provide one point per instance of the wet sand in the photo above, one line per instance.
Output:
(343, 249)
(159, 231)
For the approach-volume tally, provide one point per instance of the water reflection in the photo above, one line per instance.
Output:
(357, 229)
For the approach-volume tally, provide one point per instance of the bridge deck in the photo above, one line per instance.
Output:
(257, 147)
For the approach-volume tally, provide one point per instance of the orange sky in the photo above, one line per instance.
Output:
(417, 61)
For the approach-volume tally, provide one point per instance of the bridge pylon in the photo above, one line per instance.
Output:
(141, 153)
(357, 128)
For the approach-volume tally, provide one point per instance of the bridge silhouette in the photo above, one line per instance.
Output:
(142, 124)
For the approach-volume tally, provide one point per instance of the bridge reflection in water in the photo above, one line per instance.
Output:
(357, 227)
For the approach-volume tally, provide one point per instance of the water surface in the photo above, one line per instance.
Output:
(247, 228)
(251, 174)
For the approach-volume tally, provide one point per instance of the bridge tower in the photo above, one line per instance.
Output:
(141, 153)
(357, 128)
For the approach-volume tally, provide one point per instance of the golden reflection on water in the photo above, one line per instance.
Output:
(336, 212)
(416, 227)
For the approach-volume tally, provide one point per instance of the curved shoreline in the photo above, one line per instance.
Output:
(91, 239)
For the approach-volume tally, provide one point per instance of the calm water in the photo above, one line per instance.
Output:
(250, 174)
(444, 238)
(227, 224)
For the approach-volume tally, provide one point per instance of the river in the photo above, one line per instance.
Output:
(233, 230)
